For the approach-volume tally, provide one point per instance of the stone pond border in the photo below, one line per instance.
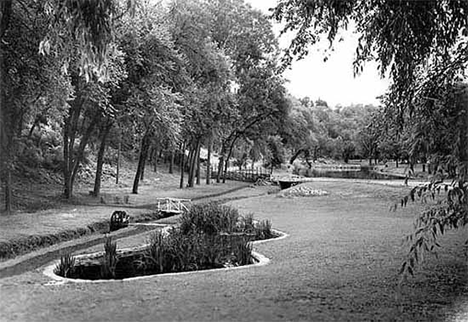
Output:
(260, 259)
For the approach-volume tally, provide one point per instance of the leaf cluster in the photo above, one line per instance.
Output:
(444, 214)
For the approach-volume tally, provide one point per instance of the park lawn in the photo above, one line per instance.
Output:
(25, 231)
(339, 263)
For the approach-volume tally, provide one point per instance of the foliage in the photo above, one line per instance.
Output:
(66, 266)
(180, 251)
(157, 255)
(445, 214)
(209, 218)
(275, 155)
(90, 24)
(214, 219)
(110, 259)
(418, 30)
(318, 131)
(241, 252)
(263, 230)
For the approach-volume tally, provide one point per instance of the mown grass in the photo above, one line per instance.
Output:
(20, 246)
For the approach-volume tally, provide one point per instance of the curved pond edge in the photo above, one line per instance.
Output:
(260, 260)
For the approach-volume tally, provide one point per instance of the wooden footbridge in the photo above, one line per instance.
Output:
(172, 206)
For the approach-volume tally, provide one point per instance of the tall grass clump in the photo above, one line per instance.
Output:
(241, 250)
(246, 225)
(263, 230)
(157, 257)
(66, 266)
(209, 218)
(109, 261)
(178, 252)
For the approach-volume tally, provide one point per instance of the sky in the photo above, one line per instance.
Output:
(333, 80)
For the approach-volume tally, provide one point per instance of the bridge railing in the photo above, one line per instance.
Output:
(172, 205)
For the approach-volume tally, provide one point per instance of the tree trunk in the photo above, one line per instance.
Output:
(143, 167)
(118, 159)
(81, 148)
(198, 162)
(155, 158)
(7, 190)
(208, 162)
(191, 164)
(182, 166)
(229, 156)
(294, 157)
(220, 168)
(68, 142)
(171, 164)
(159, 156)
(100, 157)
(69, 135)
(5, 170)
(145, 144)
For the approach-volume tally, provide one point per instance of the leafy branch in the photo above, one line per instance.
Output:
(446, 214)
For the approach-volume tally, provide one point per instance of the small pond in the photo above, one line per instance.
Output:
(164, 255)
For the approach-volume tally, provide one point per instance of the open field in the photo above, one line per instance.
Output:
(339, 263)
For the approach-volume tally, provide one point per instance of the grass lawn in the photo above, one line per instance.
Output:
(339, 263)
(44, 218)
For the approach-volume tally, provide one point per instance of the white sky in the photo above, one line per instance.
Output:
(333, 80)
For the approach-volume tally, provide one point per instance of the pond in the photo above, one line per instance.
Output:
(366, 173)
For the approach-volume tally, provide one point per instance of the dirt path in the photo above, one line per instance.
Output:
(339, 263)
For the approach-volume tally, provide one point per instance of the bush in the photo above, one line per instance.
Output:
(210, 218)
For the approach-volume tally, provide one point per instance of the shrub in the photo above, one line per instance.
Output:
(66, 266)
(210, 218)
(109, 261)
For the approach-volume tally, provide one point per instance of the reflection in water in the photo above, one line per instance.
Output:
(363, 173)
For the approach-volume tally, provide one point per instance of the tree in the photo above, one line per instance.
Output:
(300, 131)
(228, 45)
(88, 23)
(424, 48)
(31, 89)
(207, 104)
(275, 156)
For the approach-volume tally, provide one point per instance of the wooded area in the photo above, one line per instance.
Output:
(158, 82)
